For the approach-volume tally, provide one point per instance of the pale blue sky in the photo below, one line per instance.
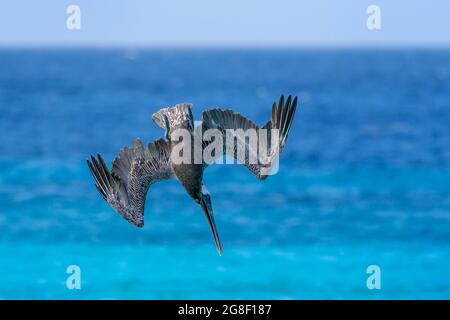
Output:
(222, 23)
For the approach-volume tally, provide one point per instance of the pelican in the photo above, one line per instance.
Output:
(135, 169)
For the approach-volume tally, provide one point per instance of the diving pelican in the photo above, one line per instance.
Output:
(135, 169)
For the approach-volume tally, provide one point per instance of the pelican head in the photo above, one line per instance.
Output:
(204, 200)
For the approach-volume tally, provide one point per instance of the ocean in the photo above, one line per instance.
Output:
(364, 179)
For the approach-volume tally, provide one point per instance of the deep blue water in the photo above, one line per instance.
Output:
(364, 178)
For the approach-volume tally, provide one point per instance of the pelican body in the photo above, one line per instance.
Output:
(135, 169)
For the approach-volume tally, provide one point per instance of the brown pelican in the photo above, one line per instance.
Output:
(135, 169)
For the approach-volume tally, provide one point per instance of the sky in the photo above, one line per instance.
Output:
(224, 23)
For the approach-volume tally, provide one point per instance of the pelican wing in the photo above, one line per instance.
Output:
(134, 170)
(239, 143)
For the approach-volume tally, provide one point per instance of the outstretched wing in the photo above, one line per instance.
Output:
(133, 171)
(256, 149)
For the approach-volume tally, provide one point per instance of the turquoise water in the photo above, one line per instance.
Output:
(364, 179)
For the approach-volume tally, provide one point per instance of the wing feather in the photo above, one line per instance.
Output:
(133, 171)
(282, 118)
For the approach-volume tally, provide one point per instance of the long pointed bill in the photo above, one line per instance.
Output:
(212, 225)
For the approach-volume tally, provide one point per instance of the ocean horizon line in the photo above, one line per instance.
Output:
(229, 47)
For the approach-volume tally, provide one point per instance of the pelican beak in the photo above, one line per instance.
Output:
(205, 203)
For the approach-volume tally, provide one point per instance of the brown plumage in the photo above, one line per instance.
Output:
(135, 169)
